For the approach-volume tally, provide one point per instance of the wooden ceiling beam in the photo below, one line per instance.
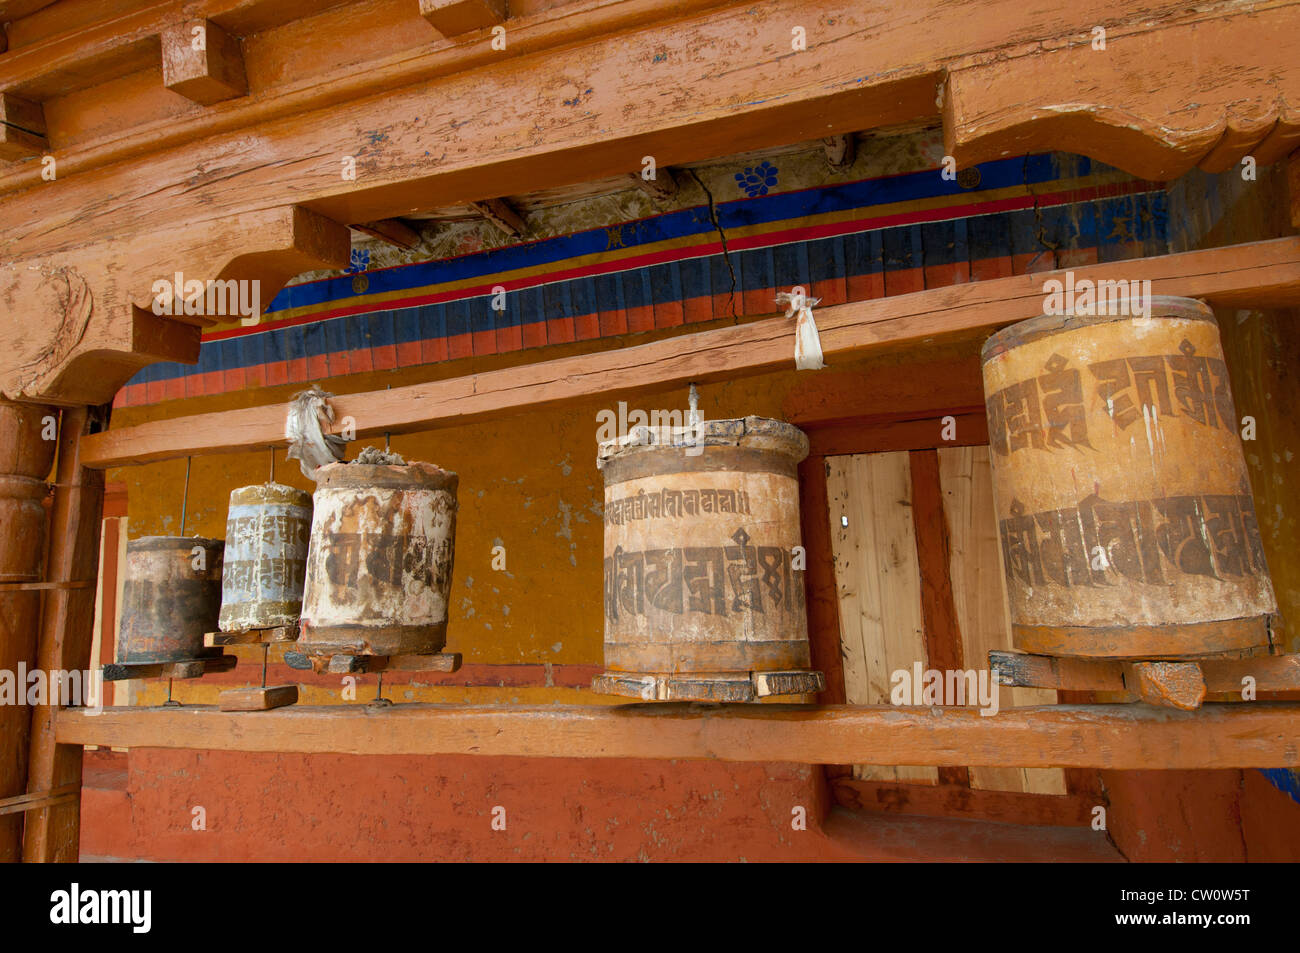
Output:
(840, 151)
(394, 231)
(22, 128)
(501, 214)
(456, 18)
(661, 188)
(461, 104)
(1213, 89)
(1117, 737)
(202, 62)
(1251, 275)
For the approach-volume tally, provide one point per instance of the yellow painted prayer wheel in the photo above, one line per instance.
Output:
(1127, 524)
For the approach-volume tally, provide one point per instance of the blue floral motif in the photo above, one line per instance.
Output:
(360, 261)
(758, 179)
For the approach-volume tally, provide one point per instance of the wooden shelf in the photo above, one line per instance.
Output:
(1258, 274)
(1255, 735)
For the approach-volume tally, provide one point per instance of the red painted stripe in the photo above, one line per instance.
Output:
(484, 342)
(510, 338)
(460, 345)
(408, 354)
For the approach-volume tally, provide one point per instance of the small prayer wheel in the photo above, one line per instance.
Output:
(704, 592)
(267, 528)
(171, 597)
(380, 560)
(1127, 524)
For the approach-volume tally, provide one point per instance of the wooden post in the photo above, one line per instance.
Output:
(25, 461)
(67, 623)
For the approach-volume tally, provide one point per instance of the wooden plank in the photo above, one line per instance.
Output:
(943, 648)
(52, 833)
(394, 231)
(879, 584)
(257, 699)
(1235, 274)
(1119, 737)
(943, 800)
(979, 596)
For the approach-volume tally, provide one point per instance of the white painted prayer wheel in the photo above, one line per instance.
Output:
(379, 561)
(267, 529)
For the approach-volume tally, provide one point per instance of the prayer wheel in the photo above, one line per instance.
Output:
(1127, 524)
(171, 597)
(267, 529)
(704, 592)
(380, 560)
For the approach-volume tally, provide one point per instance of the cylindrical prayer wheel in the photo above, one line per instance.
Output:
(171, 597)
(380, 560)
(267, 529)
(704, 596)
(1124, 507)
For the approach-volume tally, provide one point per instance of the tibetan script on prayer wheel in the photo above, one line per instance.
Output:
(1125, 512)
(703, 576)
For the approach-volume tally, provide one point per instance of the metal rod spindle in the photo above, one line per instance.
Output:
(185, 494)
(266, 650)
(379, 688)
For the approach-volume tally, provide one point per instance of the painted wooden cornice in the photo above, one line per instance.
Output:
(582, 92)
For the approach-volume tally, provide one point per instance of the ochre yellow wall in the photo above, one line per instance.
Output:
(528, 482)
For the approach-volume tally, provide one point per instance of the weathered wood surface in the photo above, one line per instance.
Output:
(979, 594)
(90, 326)
(1124, 737)
(878, 579)
(1076, 98)
(752, 90)
(52, 833)
(257, 699)
(188, 668)
(1270, 673)
(1235, 275)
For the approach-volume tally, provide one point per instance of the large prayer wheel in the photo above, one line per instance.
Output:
(704, 596)
(380, 560)
(171, 597)
(1127, 524)
(267, 528)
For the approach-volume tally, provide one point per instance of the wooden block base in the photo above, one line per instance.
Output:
(738, 687)
(257, 699)
(360, 664)
(185, 668)
(1171, 683)
(279, 633)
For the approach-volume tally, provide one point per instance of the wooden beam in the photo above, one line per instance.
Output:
(1078, 97)
(840, 151)
(661, 188)
(750, 92)
(22, 128)
(52, 832)
(391, 230)
(455, 18)
(500, 213)
(1237, 275)
(202, 62)
(1125, 737)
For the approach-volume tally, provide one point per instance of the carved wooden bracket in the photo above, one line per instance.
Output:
(81, 331)
(1193, 94)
